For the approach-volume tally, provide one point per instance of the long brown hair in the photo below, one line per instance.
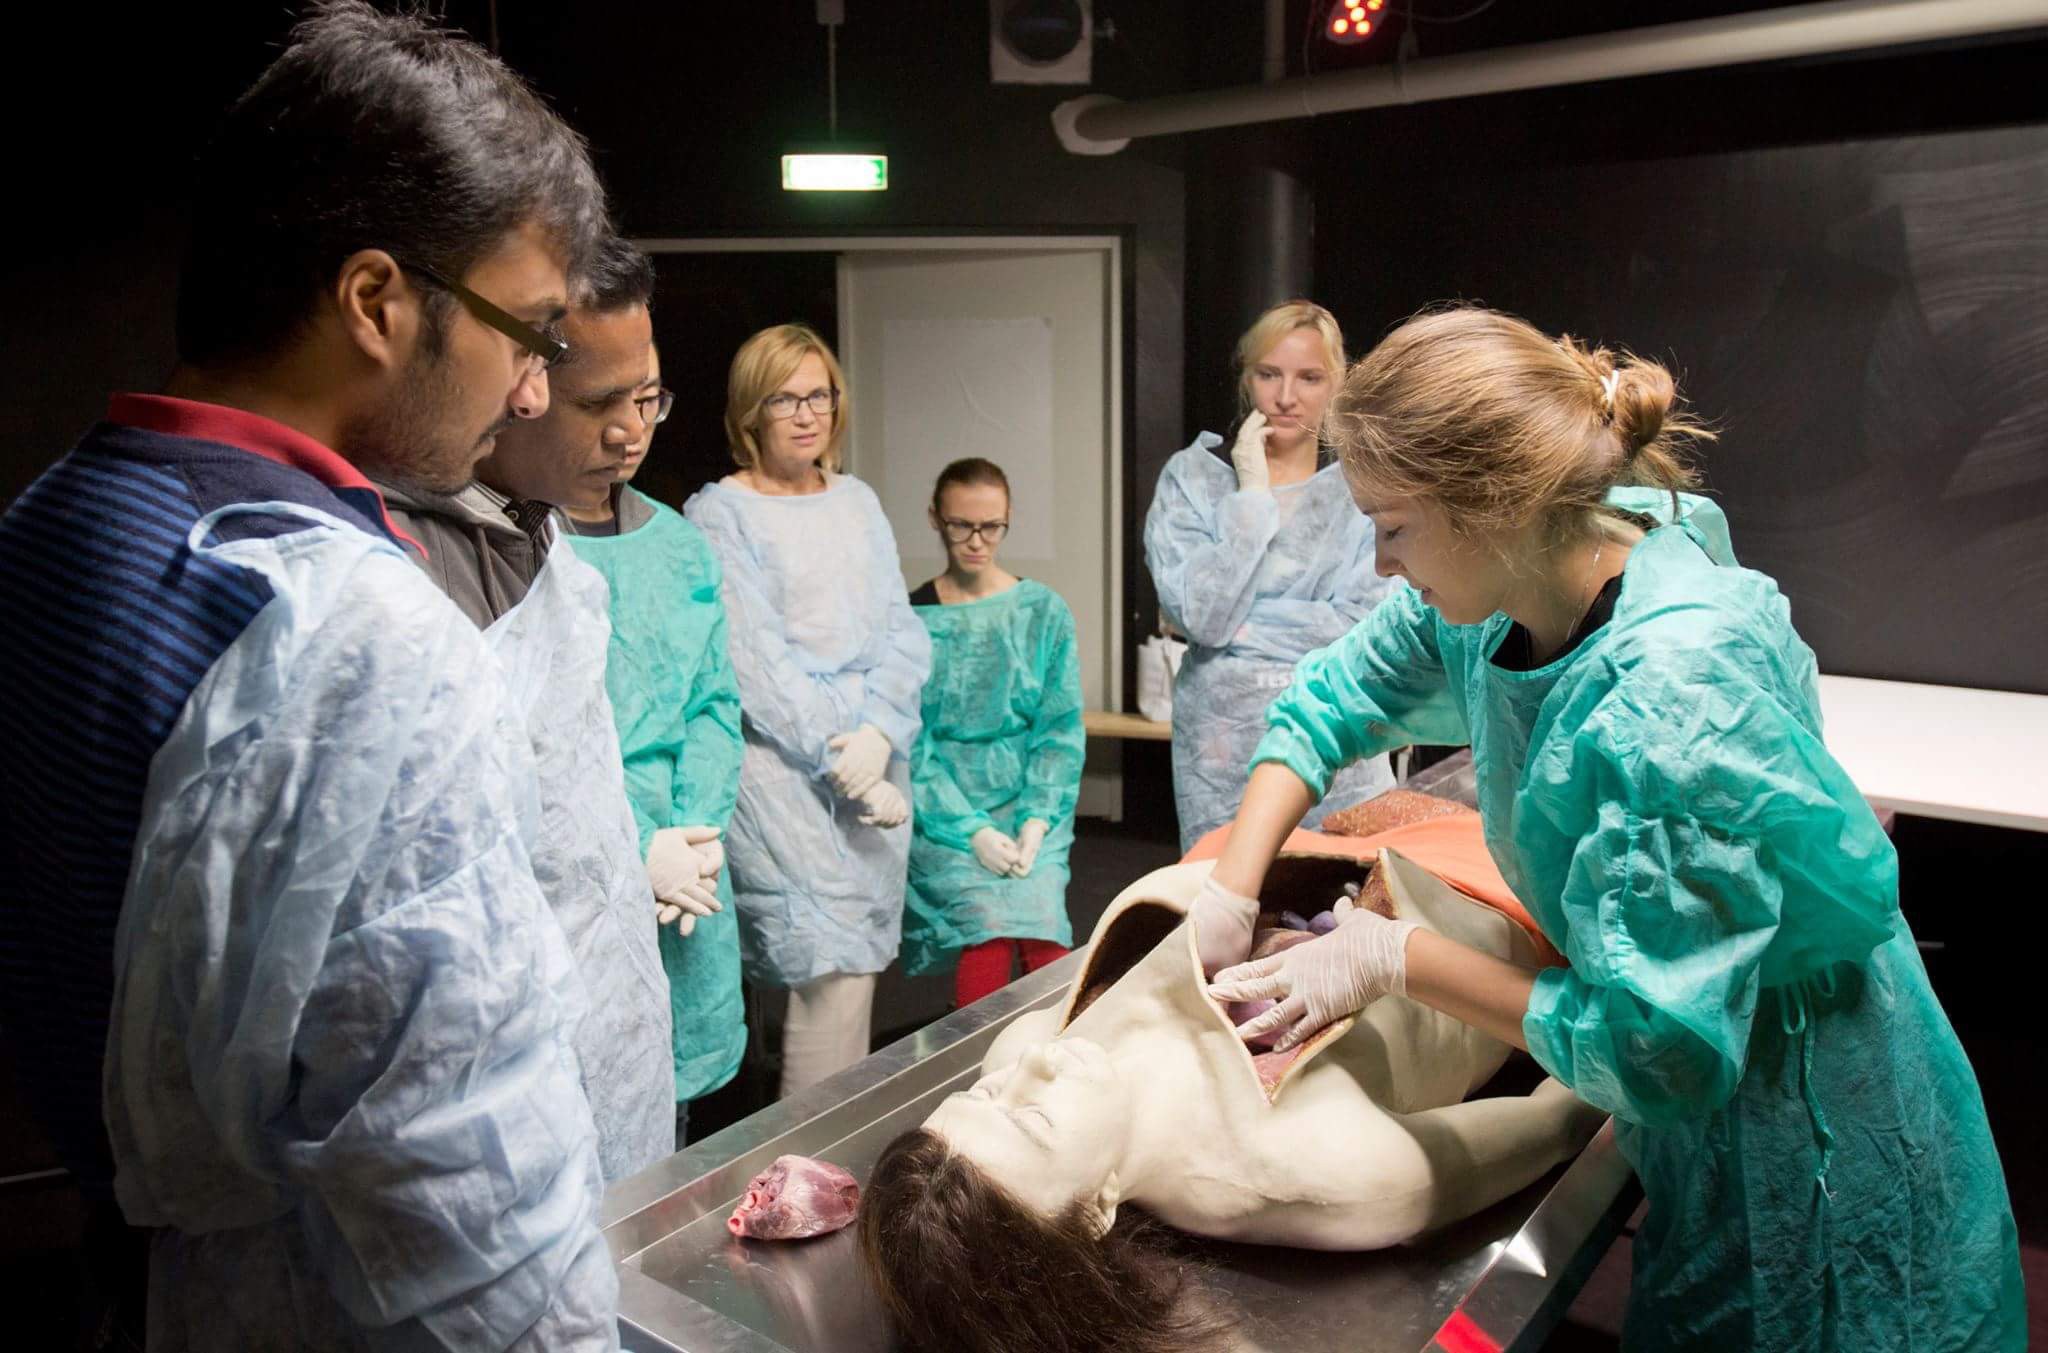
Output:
(1501, 425)
(965, 1268)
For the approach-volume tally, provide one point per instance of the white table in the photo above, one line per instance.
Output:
(1942, 751)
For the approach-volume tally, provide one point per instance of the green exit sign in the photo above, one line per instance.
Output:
(835, 173)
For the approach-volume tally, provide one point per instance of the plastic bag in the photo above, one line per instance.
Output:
(1158, 664)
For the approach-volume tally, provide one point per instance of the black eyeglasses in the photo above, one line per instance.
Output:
(820, 402)
(545, 344)
(960, 532)
(654, 408)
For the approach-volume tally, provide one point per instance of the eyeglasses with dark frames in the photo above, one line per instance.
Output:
(654, 408)
(820, 402)
(960, 532)
(544, 343)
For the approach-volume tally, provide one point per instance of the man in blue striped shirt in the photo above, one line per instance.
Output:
(272, 957)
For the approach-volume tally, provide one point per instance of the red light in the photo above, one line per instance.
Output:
(1364, 27)
(1340, 27)
(1357, 14)
(1375, 5)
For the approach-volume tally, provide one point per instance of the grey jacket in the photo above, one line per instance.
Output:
(630, 512)
(475, 553)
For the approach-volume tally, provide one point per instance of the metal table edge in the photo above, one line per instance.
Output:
(1524, 1292)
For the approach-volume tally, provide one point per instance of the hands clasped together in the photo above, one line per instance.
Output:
(857, 774)
(682, 867)
(1006, 856)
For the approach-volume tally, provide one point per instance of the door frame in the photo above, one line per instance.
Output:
(1115, 359)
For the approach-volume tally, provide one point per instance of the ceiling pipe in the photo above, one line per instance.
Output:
(1097, 124)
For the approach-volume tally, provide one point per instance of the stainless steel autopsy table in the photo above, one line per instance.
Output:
(1500, 1280)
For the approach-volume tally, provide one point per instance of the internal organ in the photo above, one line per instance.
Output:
(1271, 1065)
(1395, 808)
(794, 1199)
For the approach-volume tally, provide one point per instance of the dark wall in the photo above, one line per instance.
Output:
(689, 129)
(688, 108)
(706, 305)
(1847, 266)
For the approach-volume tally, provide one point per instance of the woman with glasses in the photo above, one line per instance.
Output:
(997, 770)
(831, 662)
(1260, 558)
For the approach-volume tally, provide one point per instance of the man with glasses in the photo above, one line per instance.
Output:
(670, 678)
(265, 818)
(496, 548)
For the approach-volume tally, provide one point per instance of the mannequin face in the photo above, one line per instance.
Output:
(1054, 1127)
(1291, 385)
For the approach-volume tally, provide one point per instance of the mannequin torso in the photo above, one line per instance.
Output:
(1144, 1093)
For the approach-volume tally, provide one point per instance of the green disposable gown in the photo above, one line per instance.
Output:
(1002, 744)
(678, 711)
(1744, 995)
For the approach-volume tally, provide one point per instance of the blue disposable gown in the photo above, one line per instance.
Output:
(1743, 994)
(823, 641)
(678, 709)
(341, 1069)
(1256, 581)
(1002, 744)
(586, 855)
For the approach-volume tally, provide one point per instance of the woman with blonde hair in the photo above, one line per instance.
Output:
(1260, 559)
(831, 663)
(1743, 994)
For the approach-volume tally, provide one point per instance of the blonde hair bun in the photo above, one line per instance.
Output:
(1502, 425)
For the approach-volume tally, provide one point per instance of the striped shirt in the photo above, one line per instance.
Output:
(113, 621)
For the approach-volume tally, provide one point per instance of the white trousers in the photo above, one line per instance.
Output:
(826, 1029)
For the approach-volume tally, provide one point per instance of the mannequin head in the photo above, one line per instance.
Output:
(934, 1227)
(1057, 1122)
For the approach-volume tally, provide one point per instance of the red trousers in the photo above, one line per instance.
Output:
(987, 967)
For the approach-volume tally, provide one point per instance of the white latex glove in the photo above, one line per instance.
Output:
(1322, 981)
(1029, 838)
(862, 761)
(883, 806)
(1248, 453)
(1223, 922)
(675, 869)
(994, 851)
(710, 851)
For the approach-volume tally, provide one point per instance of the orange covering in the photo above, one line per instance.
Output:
(1452, 848)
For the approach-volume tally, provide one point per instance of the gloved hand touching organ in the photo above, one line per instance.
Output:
(1223, 922)
(1322, 980)
(862, 761)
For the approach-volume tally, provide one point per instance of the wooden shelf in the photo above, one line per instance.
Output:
(1105, 723)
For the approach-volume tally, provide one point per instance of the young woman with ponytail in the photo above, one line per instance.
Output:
(1743, 994)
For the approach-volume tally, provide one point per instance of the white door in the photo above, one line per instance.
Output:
(1006, 354)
